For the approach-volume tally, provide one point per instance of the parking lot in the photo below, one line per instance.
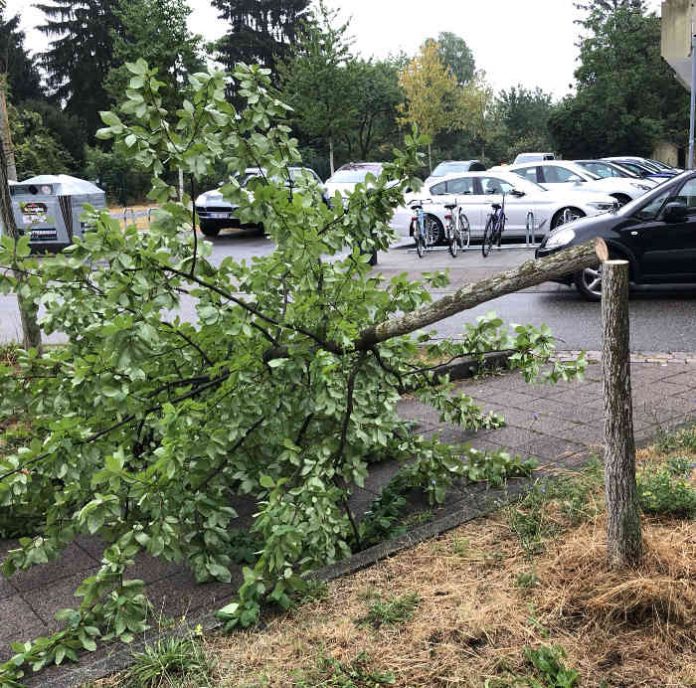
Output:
(662, 319)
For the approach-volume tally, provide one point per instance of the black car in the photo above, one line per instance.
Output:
(656, 233)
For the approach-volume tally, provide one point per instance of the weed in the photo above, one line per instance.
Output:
(673, 441)
(548, 662)
(330, 673)
(391, 612)
(461, 547)
(315, 590)
(418, 519)
(667, 492)
(529, 521)
(680, 466)
(171, 662)
(527, 579)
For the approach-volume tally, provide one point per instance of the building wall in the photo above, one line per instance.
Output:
(677, 20)
(667, 153)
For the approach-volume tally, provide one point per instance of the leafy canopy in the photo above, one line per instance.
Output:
(145, 428)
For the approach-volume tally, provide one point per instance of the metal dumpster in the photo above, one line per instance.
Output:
(49, 208)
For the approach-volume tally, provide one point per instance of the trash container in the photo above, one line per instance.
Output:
(49, 208)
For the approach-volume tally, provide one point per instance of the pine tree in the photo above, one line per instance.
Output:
(260, 30)
(81, 54)
(23, 77)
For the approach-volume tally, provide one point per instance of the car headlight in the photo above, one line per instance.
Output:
(560, 238)
(642, 187)
(602, 205)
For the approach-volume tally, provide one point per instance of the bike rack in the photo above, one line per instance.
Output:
(531, 225)
(125, 216)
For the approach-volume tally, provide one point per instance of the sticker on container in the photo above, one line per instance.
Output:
(34, 213)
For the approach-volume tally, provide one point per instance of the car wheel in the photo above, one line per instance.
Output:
(565, 215)
(589, 283)
(209, 230)
(434, 229)
(622, 199)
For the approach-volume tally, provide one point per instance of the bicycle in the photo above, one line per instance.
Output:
(424, 229)
(457, 230)
(493, 233)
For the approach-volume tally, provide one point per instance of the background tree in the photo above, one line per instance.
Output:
(429, 86)
(156, 31)
(261, 31)
(81, 54)
(23, 78)
(456, 54)
(317, 83)
(522, 116)
(36, 150)
(376, 93)
(627, 96)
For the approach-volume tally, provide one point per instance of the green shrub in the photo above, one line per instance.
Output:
(667, 492)
(547, 660)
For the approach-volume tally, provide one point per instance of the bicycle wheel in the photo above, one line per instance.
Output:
(488, 236)
(499, 229)
(452, 234)
(420, 244)
(463, 231)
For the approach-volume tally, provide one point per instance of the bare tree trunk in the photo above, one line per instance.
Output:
(528, 274)
(331, 154)
(31, 332)
(6, 134)
(430, 158)
(624, 538)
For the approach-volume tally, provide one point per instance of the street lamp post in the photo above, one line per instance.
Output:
(690, 161)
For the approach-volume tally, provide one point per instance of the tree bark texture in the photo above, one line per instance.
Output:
(528, 274)
(6, 134)
(624, 538)
(31, 332)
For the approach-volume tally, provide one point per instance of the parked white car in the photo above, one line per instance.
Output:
(348, 176)
(215, 213)
(475, 192)
(447, 167)
(552, 174)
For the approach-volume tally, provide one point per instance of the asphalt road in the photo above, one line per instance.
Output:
(662, 319)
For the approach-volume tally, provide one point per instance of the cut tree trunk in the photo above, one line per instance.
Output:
(624, 538)
(528, 274)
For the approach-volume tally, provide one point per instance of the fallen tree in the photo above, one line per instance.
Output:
(285, 388)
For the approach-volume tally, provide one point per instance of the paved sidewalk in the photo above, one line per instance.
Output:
(560, 424)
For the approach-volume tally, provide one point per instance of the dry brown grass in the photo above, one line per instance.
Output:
(628, 628)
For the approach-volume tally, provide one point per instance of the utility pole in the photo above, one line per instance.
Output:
(692, 115)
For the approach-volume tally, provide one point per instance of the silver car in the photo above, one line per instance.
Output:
(215, 213)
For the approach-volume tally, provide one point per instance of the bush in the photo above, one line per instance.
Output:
(668, 490)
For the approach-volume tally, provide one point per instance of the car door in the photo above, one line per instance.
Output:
(558, 177)
(493, 188)
(462, 189)
(666, 250)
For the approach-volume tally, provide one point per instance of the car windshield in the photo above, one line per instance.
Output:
(450, 168)
(604, 169)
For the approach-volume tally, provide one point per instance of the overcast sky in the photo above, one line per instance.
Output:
(529, 42)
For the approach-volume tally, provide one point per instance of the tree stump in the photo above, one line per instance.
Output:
(624, 538)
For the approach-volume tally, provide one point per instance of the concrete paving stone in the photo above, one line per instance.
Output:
(55, 595)
(179, 595)
(19, 624)
(681, 376)
(424, 414)
(516, 440)
(151, 569)
(509, 399)
(551, 449)
(380, 474)
(656, 389)
(92, 545)
(73, 560)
